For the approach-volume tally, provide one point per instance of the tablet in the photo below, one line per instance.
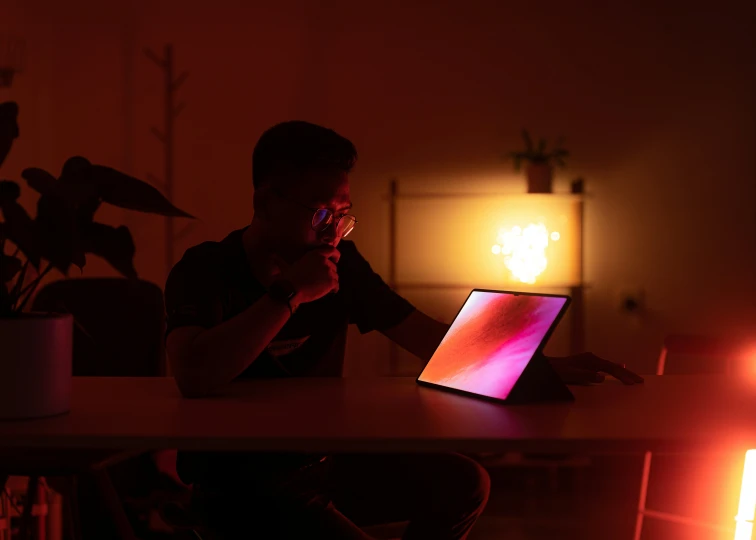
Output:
(493, 340)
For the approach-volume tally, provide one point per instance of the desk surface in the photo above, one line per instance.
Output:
(670, 413)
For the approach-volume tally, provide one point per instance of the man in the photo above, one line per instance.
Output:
(274, 300)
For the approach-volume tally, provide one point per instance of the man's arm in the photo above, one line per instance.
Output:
(376, 306)
(421, 335)
(418, 334)
(204, 360)
(205, 351)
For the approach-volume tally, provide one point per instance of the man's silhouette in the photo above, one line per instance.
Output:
(274, 300)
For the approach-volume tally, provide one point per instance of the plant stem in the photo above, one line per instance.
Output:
(2, 254)
(32, 286)
(15, 293)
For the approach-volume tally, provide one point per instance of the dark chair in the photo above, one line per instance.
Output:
(119, 327)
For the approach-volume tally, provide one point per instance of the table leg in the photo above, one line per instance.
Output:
(114, 505)
(71, 504)
(4, 509)
(26, 518)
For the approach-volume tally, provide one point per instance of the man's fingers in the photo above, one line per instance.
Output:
(621, 373)
(574, 375)
(588, 362)
(627, 376)
(617, 371)
(329, 252)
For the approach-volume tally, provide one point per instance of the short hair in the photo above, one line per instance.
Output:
(296, 147)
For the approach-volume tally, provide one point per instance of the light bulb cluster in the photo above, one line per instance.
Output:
(524, 250)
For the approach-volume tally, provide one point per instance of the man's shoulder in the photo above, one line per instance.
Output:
(350, 255)
(209, 256)
(208, 251)
(352, 265)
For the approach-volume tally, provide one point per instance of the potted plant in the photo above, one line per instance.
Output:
(540, 163)
(36, 348)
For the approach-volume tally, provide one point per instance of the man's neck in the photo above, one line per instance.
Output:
(259, 254)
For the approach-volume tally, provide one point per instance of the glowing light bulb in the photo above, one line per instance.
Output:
(524, 251)
(555, 236)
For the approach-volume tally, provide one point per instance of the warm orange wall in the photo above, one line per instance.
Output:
(657, 104)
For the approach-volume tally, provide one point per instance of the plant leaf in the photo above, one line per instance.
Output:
(9, 192)
(20, 229)
(74, 167)
(8, 127)
(85, 213)
(40, 180)
(75, 193)
(16, 290)
(542, 146)
(77, 181)
(9, 267)
(58, 233)
(528, 140)
(124, 191)
(115, 245)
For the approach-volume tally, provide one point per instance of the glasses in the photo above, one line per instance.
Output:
(322, 218)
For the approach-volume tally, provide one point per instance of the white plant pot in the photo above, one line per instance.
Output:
(35, 365)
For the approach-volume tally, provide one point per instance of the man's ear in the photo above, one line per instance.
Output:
(260, 202)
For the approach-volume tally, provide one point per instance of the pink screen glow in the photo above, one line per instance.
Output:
(491, 341)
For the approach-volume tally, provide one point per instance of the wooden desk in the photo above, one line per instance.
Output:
(666, 414)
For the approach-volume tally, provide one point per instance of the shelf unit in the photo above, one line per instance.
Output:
(576, 289)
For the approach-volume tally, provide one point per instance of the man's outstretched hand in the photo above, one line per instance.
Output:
(588, 368)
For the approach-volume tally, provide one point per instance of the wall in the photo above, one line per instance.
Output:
(657, 104)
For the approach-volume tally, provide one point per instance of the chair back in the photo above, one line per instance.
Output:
(696, 354)
(119, 324)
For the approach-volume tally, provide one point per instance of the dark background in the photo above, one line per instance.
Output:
(657, 102)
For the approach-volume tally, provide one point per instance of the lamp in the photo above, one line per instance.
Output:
(747, 503)
(498, 241)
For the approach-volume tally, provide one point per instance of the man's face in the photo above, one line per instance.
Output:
(291, 207)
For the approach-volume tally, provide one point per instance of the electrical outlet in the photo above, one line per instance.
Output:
(632, 299)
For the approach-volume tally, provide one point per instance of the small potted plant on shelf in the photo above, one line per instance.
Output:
(36, 348)
(540, 163)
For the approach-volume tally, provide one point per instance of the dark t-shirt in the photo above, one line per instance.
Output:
(213, 282)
